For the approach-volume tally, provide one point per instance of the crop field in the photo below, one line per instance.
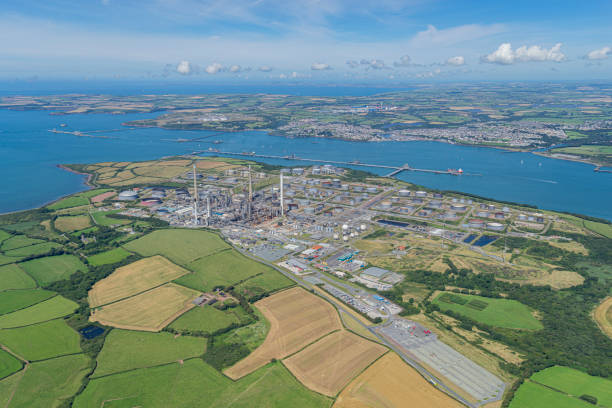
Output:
(13, 277)
(72, 223)
(195, 383)
(297, 318)
(223, 268)
(268, 282)
(127, 350)
(576, 383)
(31, 250)
(496, 312)
(53, 268)
(101, 218)
(390, 383)
(19, 241)
(179, 245)
(134, 278)
(603, 316)
(109, 257)
(531, 395)
(329, 364)
(12, 300)
(148, 311)
(47, 383)
(42, 341)
(76, 200)
(50, 309)
(8, 364)
(208, 319)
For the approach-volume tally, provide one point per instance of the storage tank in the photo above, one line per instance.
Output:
(495, 226)
(363, 227)
(128, 195)
(404, 193)
(421, 194)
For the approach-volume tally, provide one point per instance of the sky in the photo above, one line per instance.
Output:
(306, 40)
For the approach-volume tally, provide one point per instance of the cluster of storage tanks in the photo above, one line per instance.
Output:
(350, 231)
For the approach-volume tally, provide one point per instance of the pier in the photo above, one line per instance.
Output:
(395, 170)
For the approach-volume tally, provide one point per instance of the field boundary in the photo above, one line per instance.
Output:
(23, 308)
(602, 325)
(310, 344)
(365, 369)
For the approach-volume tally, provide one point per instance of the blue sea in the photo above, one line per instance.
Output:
(29, 155)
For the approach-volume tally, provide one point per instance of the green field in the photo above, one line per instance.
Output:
(196, 384)
(586, 150)
(42, 341)
(266, 283)
(251, 336)
(53, 268)
(21, 226)
(48, 310)
(109, 257)
(4, 236)
(12, 300)
(47, 383)
(209, 319)
(600, 228)
(179, 245)
(223, 269)
(530, 395)
(127, 350)
(101, 218)
(12, 277)
(19, 241)
(8, 364)
(68, 202)
(38, 249)
(495, 312)
(576, 383)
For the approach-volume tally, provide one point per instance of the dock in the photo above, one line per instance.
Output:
(395, 170)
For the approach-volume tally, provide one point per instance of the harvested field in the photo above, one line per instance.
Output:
(603, 316)
(390, 383)
(101, 197)
(148, 311)
(332, 362)
(72, 223)
(134, 278)
(297, 318)
(209, 164)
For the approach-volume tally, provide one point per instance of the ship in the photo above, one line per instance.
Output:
(455, 172)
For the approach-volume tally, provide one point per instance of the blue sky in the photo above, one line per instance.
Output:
(332, 40)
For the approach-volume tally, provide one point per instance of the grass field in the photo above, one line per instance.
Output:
(8, 364)
(297, 318)
(109, 257)
(134, 278)
(332, 362)
(222, 269)
(13, 277)
(196, 384)
(496, 312)
(208, 319)
(251, 336)
(37, 249)
(4, 236)
(101, 218)
(42, 341)
(72, 223)
(603, 316)
(600, 228)
(531, 395)
(50, 309)
(391, 383)
(576, 383)
(268, 282)
(12, 300)
(53, 268)
(179, 245)
(149, 311)
(19, 241)
(127, 350)
(47, 383)
(68, 202)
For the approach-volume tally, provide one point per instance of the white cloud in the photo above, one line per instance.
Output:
(265, 68)
(352, 64)
(403, 62)
(599, 54)
(235, 69)
(214, 68)
(374, 63)
(318, 66)
(505, 55)
(454, 35)
(456, 61)
(184, 68)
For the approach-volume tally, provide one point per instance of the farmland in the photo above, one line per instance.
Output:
(208, 319)
(148, 311)
(180, 246)
(180, 385)
(53, 268)
(8, 364)
(32, 250)
(20, 299)
(495, 312)
(50, 309)
(575, 383)
(42, 341)
(72, 223)
(329, 364)
(127, 350)
(134, 278)
(531, 395)
(13, 277)
(603, 316)
(297, 318)
(109, 257)
(389, 383)
(102, 218)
